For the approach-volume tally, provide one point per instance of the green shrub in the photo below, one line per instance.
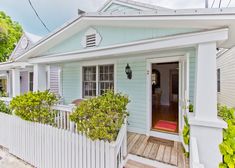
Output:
(225, 113)
(101, 117)
(186, 131)
(227, 147)
(35, 106)
(4, 108)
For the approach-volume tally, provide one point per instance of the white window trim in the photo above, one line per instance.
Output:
(91, 31)
(97, 64)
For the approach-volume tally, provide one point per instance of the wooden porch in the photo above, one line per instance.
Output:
(165, 151)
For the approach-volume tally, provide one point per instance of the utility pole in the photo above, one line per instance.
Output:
(206, 3)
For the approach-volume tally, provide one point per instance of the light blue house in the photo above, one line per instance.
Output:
(162, 59)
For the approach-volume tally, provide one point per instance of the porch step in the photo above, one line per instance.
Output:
(134, 164)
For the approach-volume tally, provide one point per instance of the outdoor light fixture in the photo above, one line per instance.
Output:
(128, 71)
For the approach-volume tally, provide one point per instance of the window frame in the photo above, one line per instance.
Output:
(97, 64)
(91, 81)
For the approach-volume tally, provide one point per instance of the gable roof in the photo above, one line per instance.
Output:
(193, 18)
(131, 4)
(31, 40)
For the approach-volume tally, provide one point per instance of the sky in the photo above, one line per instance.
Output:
(55, 13)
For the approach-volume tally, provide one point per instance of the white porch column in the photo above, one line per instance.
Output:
(205, 125)
(15, 82)
(39, 77)
(9, 81)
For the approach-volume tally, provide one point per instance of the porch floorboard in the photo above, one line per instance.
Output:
(168, 152)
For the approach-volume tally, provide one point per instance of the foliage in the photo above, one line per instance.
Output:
(190, 108)
(10, 33)
(3, 94)
(227, 147)
(35, 106)
(186, 131)
(225, 113)
(101, 117)
(4, 108)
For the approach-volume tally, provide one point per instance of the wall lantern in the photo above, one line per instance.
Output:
(128, 71)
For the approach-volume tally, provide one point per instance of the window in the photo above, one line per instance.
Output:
(89, 81)
(218, 80)
(30, 81)
(97, 80)
(106, 78)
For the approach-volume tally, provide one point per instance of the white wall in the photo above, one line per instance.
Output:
(164, 70)
(24, 82)
(226, 63)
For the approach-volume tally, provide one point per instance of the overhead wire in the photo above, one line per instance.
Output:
(39, 18)
(220, 3)
(228, 3)
(213, 4)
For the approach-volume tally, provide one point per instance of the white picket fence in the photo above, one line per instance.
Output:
(45, 146)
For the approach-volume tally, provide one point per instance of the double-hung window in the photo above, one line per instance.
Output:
(97, 80)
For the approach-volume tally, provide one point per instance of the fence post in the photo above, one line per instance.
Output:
(113, 157)
(125, 140)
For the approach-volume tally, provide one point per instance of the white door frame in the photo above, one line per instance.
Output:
(179, 59)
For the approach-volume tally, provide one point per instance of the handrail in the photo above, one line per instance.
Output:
(194, 155)
(119, 147)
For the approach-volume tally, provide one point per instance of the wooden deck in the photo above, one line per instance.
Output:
(161, 150)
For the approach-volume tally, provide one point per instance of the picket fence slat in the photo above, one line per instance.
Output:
(60, 146)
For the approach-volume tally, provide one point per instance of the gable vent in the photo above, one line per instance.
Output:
(91, 40)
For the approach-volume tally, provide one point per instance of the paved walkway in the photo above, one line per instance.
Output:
(9, 161)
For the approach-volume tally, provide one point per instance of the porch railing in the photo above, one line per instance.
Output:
(194, 156)
(60, 146)
(6, 100)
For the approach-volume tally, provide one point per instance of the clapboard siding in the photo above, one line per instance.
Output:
(226, 64)
(192, 73)
(115, 35)
(70, 82)
(136, 90)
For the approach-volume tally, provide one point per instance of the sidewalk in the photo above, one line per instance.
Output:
(9, 161)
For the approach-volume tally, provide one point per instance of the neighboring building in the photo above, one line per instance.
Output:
(161, 58)
(26, 73)
(226, 77)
